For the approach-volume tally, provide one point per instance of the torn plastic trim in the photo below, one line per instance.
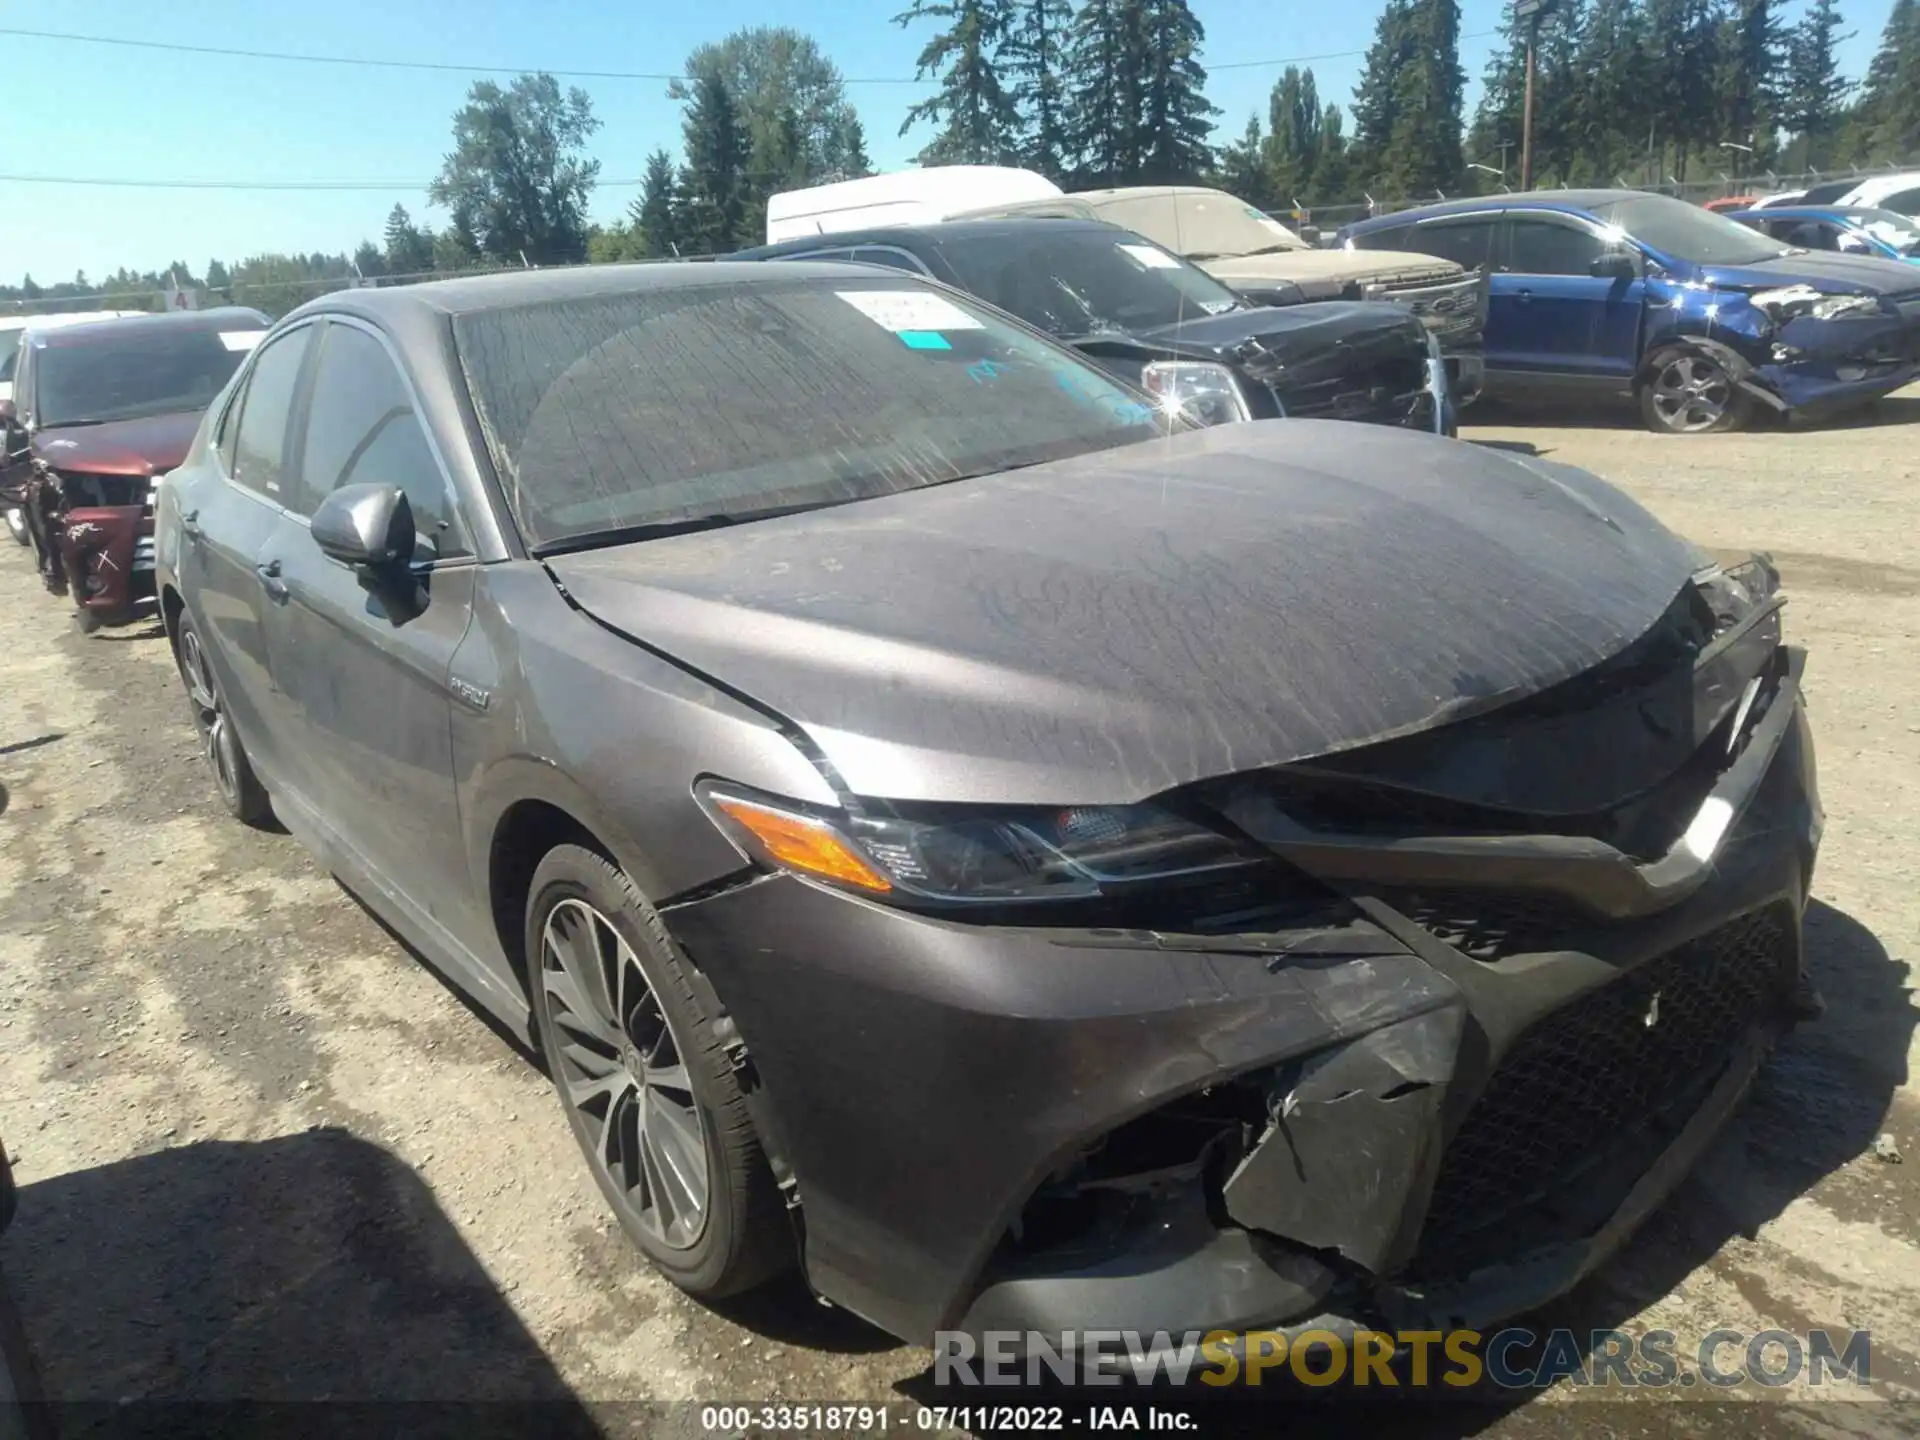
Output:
(1585, 871)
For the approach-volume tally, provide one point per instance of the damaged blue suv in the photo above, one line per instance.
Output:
(1702, 320)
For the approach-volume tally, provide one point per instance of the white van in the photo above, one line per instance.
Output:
(907, 197)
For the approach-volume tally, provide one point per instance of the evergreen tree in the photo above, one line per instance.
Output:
(778, 161)
(370, 260)
(1814, 94)
(1034, 52)
(714, 181)
(846, 157)
(1887, 122)
(518, 169)
(978, 122)
(1408, 105)
(655, 216)
(1105, 64)
(1243, 167)
(1681, 102)
(1294, 122)
(409, 249)
(1176, 116)
(1333, 179)
(217, 277)
(1749, 51)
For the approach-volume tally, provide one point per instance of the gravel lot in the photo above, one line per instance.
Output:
(265, 1153)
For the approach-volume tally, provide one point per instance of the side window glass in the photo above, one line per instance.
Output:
(259, 454)
(1905, 202)
(892, 259)
(362, 430)
(1468, 243)
(1394, 237)
(228, 435)
(1542, 247)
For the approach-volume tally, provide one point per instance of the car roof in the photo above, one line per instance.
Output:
(942, 232)
(1571, 202)
(512, 289)
(1816, 212)
(60, 319)
(102, 332)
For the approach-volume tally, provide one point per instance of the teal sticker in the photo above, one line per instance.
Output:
(924, 340)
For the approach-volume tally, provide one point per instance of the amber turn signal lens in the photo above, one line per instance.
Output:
(804, 844)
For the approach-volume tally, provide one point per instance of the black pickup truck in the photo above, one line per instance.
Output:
(1157, 320)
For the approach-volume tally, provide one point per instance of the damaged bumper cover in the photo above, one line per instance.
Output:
(1800, 351)
(1433, 1065)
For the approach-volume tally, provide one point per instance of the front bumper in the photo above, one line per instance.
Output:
(980, 1124)
(107, 552)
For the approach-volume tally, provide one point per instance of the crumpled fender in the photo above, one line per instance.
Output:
(98, 541)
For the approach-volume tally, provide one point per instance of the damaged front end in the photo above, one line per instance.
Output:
(1489, 991)
(101, 527)
(1796, 348)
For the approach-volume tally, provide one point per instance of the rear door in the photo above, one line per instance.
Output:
(228, 513)
(1549, 314)
(364, 666)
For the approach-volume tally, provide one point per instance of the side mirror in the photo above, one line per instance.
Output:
(369, 527)
(1615, 265)
(1309, 233)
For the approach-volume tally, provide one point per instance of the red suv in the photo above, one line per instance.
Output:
(99, 412)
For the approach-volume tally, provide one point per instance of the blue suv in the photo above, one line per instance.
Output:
(1699, 318)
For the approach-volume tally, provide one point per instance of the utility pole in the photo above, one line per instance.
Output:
(1530, 11)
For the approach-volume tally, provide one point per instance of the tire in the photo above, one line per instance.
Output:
(620, 1082)
(240, 789)
(89, 621)
(1688, 392)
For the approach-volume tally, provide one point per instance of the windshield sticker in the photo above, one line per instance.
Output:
(241, 339)
(924, 340)
(1151, 258)
(909, 311)
(987, 368)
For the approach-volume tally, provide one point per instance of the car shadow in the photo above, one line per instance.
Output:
(1819, 1104)
(225, 1287)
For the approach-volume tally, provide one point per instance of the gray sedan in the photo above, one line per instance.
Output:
(1034, 862)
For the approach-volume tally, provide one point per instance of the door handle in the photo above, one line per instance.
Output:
(190, 523)
(1525, 296)
(270, 581)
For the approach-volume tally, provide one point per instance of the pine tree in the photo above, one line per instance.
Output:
(978, 122)
(713, 182)
(1887, 123)
(1243, 167)
(1034, 52)
(217, 277)
(1681, 93)
(1814, 94)
(409, 249)
(1294, 123)
(1333, 179)
(1749, 46)
(846, 153)
(1408, 106)
(655, 216)
(1176, 116)
(1105, 63)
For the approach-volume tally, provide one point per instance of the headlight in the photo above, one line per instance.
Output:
(1790, 302)
(1204, 392)
(1038, 853)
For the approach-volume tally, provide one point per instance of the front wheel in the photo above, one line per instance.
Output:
(240, 789)
(645, 1081)
(1690, 393)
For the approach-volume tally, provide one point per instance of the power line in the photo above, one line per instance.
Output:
(447, 67)
(385, 186)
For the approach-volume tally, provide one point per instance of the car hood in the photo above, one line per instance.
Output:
(1101, 629)
(150, 445)
(1320, 273)
(1853, 274)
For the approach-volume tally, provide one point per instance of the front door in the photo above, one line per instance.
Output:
(364, 662)
(1549, 314)
(226, 520)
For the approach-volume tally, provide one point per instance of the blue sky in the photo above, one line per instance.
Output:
(92, 111)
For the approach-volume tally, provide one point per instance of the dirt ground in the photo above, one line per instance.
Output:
(265, 1153)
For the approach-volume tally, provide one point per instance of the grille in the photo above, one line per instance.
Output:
(1592, 1071)
(1489, 924)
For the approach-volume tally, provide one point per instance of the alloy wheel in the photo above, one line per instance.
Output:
(1691, 393)
(210, 716)
(623, 1071)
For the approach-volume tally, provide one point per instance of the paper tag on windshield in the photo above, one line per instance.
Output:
(909, 311)
(241, 339)
(1151, 258)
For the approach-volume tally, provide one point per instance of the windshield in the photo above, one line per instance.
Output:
(133, 373)
(1889, 227)
(675, 404)
(1200, 224)
(1073, 281)
(1686, 232)
(9, 350)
